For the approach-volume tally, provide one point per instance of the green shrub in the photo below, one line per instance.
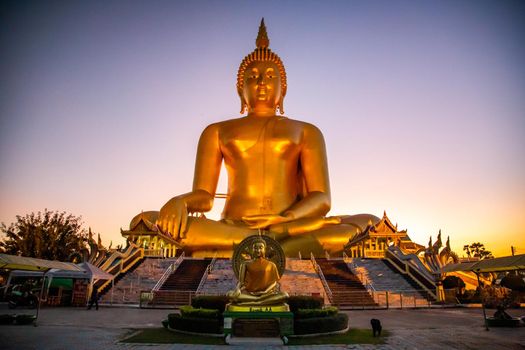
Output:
(197, 325)
(25, 319)
(165, 323)
(469, 297)
(217, 302)
(321, 324)
(304, 302)
(311, 313)
(190, 311)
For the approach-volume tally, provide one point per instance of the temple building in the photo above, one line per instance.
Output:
(144, 233)
(375, 239)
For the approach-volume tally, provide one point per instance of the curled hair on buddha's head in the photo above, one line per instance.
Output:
(261, 53)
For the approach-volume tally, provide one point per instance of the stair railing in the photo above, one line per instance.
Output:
(127, 260)
(317, 269)
(206, 273)
(168, 272)
(212, 263)
(403, 265)
(367, 282)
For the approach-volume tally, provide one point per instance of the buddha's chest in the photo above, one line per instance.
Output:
(259, 268)
(262, 139)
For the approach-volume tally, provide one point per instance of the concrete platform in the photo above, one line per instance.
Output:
(80, 329)
(250, 342)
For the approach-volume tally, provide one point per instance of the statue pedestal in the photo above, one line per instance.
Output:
(258, 321)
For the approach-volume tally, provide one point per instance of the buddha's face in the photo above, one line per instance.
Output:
(259, 249)
(262, 85)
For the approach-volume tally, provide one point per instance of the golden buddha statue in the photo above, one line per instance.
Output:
(258, 279)
(277, 174)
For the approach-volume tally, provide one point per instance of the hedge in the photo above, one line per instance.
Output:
(217, 302)
(25, 319)
(321, 324)
(197, 325)
(311, 313)
(304, 302)
(190, 311)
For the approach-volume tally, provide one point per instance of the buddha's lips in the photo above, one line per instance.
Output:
(261, 94)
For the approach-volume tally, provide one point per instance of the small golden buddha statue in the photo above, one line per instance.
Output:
(258, 279)
(277, 174)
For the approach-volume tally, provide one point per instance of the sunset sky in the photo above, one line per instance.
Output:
(422, 105)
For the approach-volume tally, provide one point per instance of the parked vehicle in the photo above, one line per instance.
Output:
(22, 295)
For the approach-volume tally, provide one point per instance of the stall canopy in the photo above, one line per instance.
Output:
(86, 270)
(14, 262)
(95, 272)
(506, 263)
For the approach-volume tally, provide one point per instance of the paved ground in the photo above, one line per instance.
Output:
(77, 328)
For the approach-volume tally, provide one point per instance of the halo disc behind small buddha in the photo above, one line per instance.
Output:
(243, 252)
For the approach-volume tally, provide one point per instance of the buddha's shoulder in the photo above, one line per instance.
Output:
(244, 121)
(300, 123)
(226, 123)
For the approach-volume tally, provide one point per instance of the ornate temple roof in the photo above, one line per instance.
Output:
(382, 227)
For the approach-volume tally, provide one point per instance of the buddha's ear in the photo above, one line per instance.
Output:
(244, 105)
(280, 105)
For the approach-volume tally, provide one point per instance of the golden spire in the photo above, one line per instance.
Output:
(262, 40)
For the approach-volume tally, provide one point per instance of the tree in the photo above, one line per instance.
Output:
(466, 248)
(477, 250)
(48, 235)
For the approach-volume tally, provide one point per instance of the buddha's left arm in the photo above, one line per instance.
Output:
(317, 201)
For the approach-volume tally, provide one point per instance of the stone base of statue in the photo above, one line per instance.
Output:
(258, 321)
(258, 308)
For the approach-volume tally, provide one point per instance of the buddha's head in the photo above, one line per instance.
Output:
(261, 79)
(259, 248)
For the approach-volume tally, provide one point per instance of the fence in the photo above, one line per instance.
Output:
(165, 298)
(347, 300)
(382, 300)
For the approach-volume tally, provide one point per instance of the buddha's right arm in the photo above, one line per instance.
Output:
(173, 216)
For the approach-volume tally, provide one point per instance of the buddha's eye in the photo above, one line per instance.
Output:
(254, 74)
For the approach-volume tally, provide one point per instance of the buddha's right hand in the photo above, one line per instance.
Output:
(173, 217)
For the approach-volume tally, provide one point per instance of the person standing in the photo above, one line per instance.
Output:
(93, 299)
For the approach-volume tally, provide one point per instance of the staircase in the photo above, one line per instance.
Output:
(300, 278)
(413, 285)
(220, 280)
(181, 285)
(347, 289)
(127, 287)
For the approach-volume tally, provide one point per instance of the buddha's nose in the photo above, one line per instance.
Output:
(261, 80)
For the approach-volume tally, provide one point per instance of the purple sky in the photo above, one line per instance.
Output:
(422, 105)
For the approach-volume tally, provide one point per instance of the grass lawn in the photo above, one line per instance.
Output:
(164, 336)
(353, 336)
